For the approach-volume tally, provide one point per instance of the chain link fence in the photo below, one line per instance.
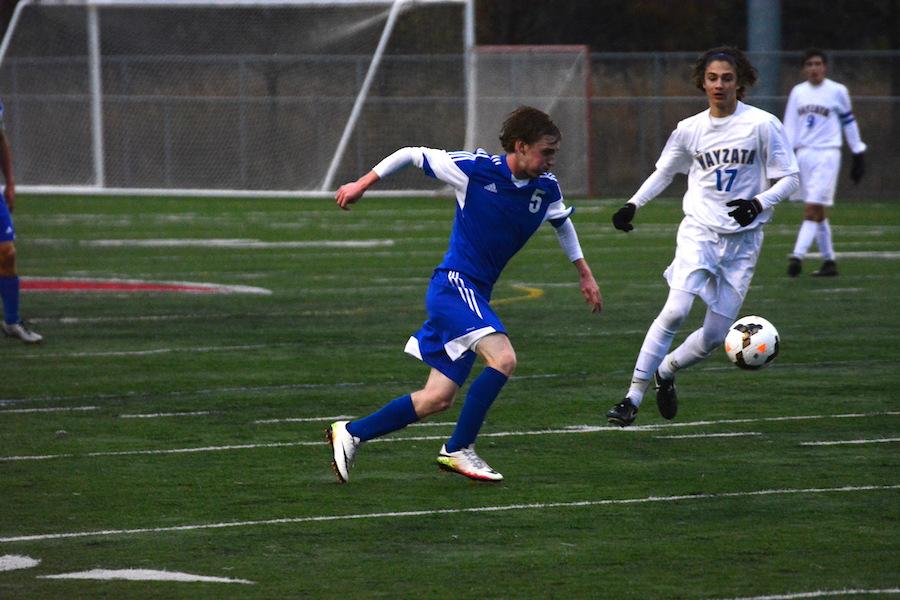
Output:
(638, 99)
(269, 122)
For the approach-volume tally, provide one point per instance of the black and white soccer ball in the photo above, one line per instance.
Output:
(752, 342)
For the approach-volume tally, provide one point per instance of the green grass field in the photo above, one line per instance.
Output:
(163, 431)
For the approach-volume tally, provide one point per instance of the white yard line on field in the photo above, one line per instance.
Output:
(144, 575)
(50, 409)
(197, 413)
(236, 243)
(821, 594)
(256, 389)
(159, 351)
(302, 419)
(171, 451)
(14, 562)
(450, 511)
(843, 442)
(194, 316)
(705, 435)
(763, 420)
(861, 254)
(429, 438)
(888, 255)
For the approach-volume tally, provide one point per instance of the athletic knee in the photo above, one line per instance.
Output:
(7, 259)
(505, 362)
(814, 212)
(675, 310)
(671, 318)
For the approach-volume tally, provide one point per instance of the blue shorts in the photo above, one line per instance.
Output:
(7, 231)
(459, 315)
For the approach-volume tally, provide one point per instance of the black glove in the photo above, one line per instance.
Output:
(745, 211)
(622, 218)
(858, 168)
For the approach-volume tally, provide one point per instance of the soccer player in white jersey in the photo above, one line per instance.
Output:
(12, 325)
(501, 201)
(817, 111)
(731, 153)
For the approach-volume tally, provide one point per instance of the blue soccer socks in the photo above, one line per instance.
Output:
(482, 393)
(396, 414)
(9, 292)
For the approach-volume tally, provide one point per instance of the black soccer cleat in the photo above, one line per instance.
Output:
(623, 413)
(666, 396)
(828, 269)
(794, 266)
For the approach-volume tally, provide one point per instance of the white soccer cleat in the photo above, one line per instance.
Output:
(343, 447)
(20, 330)
(466, 462)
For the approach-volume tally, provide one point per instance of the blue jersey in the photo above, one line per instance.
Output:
(496, 213)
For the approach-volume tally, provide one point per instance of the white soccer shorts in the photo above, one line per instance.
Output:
(717, 267)
(819, 169)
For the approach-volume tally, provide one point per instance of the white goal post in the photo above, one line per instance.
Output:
(257, 98)
(244, 98)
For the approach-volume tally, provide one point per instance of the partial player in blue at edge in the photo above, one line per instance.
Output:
(12, 325)
(501, 201)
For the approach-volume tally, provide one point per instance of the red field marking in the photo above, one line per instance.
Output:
(129, 286)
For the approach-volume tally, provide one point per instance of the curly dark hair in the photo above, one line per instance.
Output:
(528, 124)
(746, 73)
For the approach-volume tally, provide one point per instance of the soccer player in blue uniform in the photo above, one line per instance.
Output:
(501, 201)
(12, 325)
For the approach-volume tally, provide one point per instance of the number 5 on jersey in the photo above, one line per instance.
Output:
(535, 204)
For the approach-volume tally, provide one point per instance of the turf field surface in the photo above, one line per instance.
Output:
(183, 432)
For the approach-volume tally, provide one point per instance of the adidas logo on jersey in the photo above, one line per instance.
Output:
(491, 187)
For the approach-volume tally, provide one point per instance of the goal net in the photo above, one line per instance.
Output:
(555, 79)
(234, 96)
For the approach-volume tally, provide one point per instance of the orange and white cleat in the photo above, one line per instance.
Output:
(465, 462)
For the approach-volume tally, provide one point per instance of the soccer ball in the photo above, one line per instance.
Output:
(752, 342)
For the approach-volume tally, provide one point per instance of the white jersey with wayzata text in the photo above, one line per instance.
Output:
(725, 159)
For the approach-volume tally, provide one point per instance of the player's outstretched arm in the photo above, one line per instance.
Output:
(589, 288)
(622, 218)
(652, 187)
(351, 192)
(568, 241)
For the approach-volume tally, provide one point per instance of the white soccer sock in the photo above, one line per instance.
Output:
(697, 346)
(805, 238)
(690, 352)
(637, 390)
(656, 344)
(823, 239)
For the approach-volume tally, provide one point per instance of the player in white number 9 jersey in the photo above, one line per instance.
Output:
(731, 153)
(818, 111)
